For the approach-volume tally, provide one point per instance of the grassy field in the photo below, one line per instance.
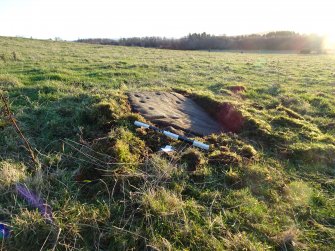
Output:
(271, 186)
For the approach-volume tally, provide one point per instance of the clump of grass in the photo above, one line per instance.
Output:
(288, 122)
(224, 158)
(3, 57)
(297, 103)
(105, 111)
(11, 173)
(274, 89)
(232, 143)
(160, 167)
(290, 113)
(232, 177)
(248, 151)
(243, 241)
(313, 153)
(123, 145)
(299, 193)
(322, 105)
(108, 112)
(31, 231)
(101, 114)
(161, 243)
(123, 152)
(3, 123)
(8, 81)
(162, 202)
(128, 147)
(15, 56)
(288, 239)
(258, 129)
(193, 159)
(248, 208)
(264, 182)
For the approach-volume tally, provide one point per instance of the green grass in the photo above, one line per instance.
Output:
(269, 187)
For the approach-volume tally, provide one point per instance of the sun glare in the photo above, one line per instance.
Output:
(174, 18)
(330, 42)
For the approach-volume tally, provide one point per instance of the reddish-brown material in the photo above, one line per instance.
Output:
(230, 118)
(237, 88)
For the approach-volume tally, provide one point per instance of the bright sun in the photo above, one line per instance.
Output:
(330, 41)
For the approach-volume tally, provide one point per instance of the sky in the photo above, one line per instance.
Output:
(73, 19)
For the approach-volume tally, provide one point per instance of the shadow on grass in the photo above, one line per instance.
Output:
(46, 115)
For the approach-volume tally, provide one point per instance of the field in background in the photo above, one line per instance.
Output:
(269, 187)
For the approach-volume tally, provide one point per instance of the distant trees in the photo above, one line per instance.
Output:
(278, 40)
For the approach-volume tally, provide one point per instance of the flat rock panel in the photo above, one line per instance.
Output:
(173, 109)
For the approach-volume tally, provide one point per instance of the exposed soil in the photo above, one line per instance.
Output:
(230, 118)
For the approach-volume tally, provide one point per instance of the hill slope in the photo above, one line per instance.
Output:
(269, 186)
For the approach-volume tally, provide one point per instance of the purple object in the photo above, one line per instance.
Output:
(35, 201)
(4, 231)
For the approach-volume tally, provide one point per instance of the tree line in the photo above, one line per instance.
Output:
(278, 40)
